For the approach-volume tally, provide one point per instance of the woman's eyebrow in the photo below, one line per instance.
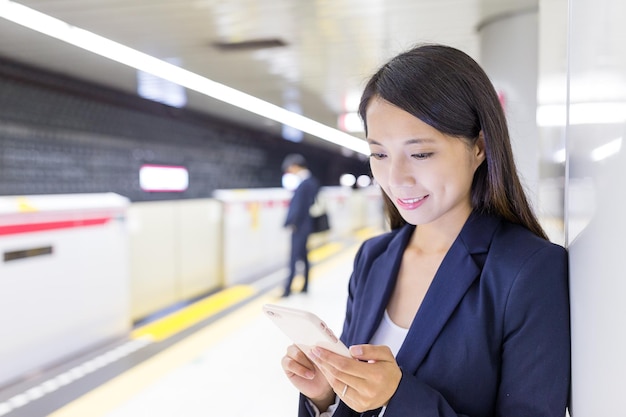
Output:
(407, 142)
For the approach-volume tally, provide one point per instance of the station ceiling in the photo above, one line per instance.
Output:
(309, 56)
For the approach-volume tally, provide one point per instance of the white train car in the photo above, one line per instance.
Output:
(64, 281)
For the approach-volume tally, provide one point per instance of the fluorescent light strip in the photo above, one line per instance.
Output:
(107, 48)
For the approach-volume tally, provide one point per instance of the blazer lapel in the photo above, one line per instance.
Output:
(379, 286)
(453, 278)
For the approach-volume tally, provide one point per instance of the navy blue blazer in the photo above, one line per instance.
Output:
(300, 204)
(491, 337)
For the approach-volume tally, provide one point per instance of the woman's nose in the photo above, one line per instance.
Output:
(400, 174)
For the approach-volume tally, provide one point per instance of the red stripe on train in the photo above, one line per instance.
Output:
(15, 229)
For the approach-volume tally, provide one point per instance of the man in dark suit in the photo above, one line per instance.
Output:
(298, 218)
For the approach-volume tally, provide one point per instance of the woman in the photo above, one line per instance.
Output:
(462, 308)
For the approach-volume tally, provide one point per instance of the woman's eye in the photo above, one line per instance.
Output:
(422, 155)
(377, 155)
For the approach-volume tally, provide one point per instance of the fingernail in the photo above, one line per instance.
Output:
(316, 352)
(309, 374)
(356, 350)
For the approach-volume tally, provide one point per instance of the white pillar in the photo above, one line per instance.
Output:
(509, 55)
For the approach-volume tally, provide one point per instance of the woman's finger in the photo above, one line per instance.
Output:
(363, 384)
(295, 362)
(370, 353)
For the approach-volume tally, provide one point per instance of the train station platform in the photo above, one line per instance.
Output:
(217, 356)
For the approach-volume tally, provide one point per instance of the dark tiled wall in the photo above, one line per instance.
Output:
(59, 135)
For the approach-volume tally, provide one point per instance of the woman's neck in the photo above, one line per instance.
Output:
(437, 236)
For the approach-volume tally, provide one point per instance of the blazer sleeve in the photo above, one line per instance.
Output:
(535, 351)
(536, 348)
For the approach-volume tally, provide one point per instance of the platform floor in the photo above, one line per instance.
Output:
(229, 367)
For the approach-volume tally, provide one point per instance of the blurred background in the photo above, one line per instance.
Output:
(141, 143)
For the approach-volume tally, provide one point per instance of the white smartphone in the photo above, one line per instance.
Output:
(305, 329)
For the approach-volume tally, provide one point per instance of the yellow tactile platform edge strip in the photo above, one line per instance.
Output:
(176, 322)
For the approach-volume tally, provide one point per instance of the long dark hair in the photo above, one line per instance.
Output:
(447, 89)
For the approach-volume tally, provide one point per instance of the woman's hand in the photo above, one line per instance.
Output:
(364, 384)
(307, 378)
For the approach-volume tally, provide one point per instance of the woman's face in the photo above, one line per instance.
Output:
(426, 174)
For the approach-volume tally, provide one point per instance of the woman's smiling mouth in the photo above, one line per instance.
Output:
(410, 203)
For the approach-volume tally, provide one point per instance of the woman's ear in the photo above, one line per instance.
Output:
(480, 145)
(479, 150)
